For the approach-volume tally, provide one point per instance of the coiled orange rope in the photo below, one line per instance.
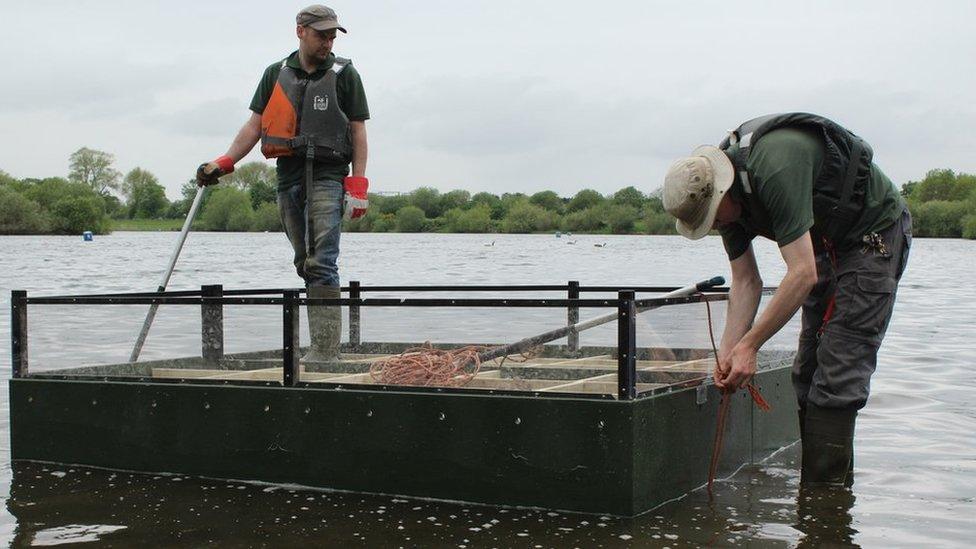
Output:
(723, 409)
(429, 367)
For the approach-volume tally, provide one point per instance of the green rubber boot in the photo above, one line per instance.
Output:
(828, 446)
(324, 326)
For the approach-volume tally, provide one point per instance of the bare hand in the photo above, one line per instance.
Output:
(736, 370)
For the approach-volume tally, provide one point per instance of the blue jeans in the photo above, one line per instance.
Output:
(316, 247)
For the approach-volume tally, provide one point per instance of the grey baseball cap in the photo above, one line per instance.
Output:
(319, 17)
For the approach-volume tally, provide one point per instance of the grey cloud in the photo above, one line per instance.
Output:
(543, 127)
(219, 118)
(97, 91)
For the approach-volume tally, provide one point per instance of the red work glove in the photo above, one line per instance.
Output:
(208, 172)
(356, 200)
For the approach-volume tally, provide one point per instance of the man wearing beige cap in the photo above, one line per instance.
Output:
(844, 233)
(310, 112)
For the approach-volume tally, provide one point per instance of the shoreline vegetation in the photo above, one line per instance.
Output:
(96, 197)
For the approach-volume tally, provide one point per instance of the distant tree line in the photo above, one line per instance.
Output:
(626, 211)
(943, 204)
(94, 194)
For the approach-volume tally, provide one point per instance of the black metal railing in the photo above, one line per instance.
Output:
(212, 299)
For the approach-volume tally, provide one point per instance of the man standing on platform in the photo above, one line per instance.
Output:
(310, 112)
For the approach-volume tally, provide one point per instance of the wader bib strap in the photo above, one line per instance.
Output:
(309, 231)
(844, 209)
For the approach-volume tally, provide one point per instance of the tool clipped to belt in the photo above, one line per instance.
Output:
(873, 241)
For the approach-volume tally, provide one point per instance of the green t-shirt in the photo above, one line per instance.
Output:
(352, 100)
(783, 166)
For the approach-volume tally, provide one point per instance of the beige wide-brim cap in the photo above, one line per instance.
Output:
(319, 17)
(694, 187)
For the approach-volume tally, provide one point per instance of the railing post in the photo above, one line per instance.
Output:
(290, 343)
(572, 316)
(18, 333)
(212, 324)
(354, 318)
(626, 345)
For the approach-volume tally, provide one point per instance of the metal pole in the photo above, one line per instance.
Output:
(572, 316)
(290, 343)
(530, 342)
(354, 314)
(626, 345)
(141, 340)
(212, 324)
(18, 333)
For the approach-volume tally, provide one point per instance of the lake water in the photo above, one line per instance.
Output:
(916, 439)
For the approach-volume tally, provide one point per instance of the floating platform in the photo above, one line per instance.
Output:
(577, 428)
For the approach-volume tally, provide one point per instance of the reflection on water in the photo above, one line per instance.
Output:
(55, 503)
(824, 516)
(915, 481)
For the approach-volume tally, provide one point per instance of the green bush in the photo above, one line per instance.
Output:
(52, 189)
(587, 198)
(658, 223)
(147, 201)
(493, 202)
(629, 196)
(941, 185)
(74, 215)
(387, 204)
(548, 200)
(525, 217)
(267, 217)
(262, 192)
(620, 218)
(939, 218)
(588, 220)
(7, 180)
(19, 215)
(455, 199)
(383, 223)
(969, 227)
(250, 174)
(410, 219)
(427, 199)
(474, 220)
(228, 209)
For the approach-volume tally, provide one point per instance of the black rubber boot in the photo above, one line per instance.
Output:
(801, 413)
(828, 446)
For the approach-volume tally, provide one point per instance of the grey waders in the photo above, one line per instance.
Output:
(827, 437)
(324, 326)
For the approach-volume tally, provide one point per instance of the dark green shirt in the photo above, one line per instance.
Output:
(352, 101)
(783, 166)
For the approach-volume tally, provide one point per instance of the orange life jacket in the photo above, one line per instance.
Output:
(304, 112)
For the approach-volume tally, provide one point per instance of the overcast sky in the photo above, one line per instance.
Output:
(496, 96)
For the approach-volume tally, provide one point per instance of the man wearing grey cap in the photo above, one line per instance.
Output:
(310, 112)
(844, 233)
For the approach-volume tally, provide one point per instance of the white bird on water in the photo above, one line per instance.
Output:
(600, 245)
(571, 242)
(492, 243)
